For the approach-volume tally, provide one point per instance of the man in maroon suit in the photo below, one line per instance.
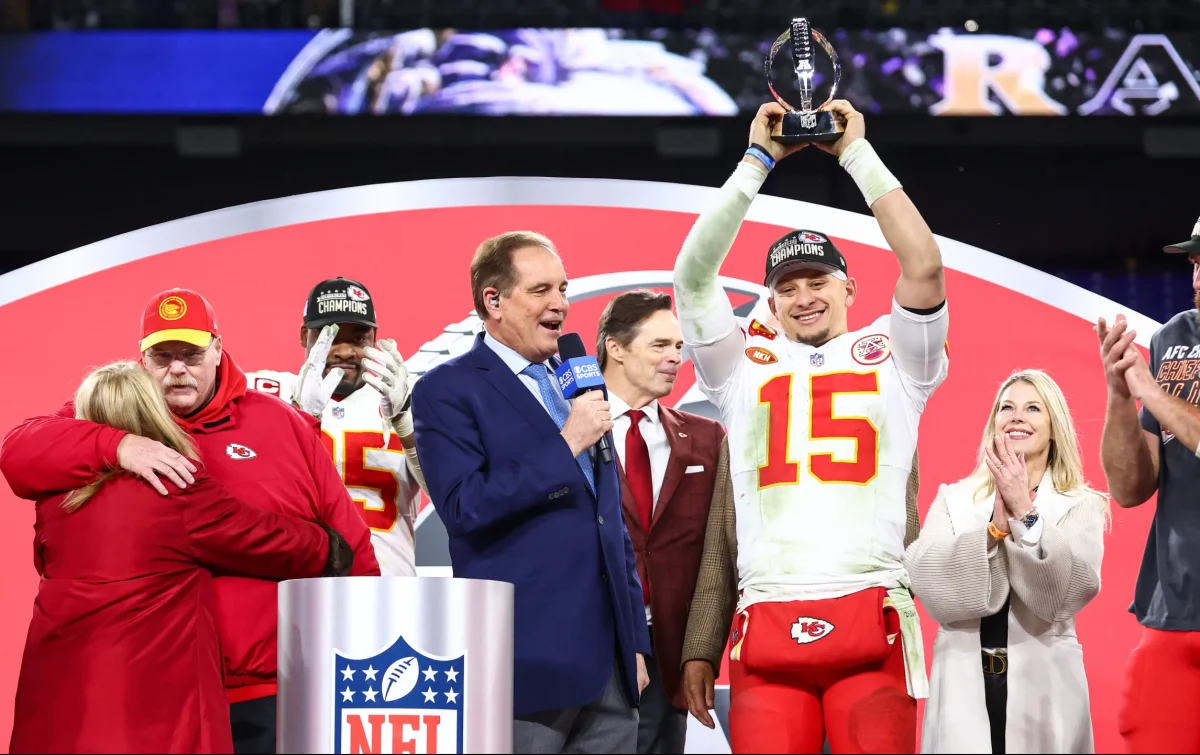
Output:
(669, 477)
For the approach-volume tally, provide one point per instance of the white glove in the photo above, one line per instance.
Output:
(313, 392)
(385, 372)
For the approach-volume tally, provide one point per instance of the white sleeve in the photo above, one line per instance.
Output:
(919, 348)
(710, 331)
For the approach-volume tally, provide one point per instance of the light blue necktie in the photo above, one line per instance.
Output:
(559, 409)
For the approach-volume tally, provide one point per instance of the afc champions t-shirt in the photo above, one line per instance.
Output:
(1166, 594)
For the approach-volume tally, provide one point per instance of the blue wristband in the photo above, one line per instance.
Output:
(761, 155)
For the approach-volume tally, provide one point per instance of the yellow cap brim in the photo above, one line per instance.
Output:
(201, 338)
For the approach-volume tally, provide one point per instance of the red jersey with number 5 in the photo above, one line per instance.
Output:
(821, 446)
(377, 478)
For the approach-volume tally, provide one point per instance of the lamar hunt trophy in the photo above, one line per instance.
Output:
(806, 123)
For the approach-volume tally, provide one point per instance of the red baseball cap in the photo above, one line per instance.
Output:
(178, 315)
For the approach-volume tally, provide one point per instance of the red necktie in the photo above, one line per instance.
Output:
(637, 474)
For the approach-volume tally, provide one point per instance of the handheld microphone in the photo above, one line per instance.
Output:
(578, 374)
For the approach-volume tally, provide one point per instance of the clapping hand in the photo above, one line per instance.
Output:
(1011, 476)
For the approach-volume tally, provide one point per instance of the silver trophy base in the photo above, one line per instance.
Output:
(823, 126)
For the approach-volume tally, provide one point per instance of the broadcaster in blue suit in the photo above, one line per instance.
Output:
(525, 499)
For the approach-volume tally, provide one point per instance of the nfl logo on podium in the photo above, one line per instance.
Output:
(399, 700)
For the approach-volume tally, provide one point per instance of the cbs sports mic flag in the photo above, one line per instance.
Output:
(575, 376)
(424, 302)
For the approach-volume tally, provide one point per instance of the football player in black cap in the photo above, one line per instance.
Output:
(358, 388)
(824, 423)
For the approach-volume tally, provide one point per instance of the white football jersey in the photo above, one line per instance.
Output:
(377, 478)
(821, 443)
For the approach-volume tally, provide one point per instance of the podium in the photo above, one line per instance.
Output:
(395, 664)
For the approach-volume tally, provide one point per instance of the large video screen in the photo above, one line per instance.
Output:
(591, 71)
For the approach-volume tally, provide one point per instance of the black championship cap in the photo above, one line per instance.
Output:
(339, 300)
(804, 249)
(1191, 246)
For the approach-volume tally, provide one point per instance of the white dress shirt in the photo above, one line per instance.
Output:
(652, 432)
(516, 363)
(655, 436)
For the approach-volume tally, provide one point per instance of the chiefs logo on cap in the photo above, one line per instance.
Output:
(357, 294)
(758, 329)
(172, 308)
(812, 238)
(761, 355)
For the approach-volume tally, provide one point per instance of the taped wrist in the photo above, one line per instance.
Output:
(868, 171)
(402, 423)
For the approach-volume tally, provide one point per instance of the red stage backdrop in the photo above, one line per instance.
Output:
(411, 243)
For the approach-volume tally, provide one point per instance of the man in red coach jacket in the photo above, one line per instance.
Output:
(263, 451)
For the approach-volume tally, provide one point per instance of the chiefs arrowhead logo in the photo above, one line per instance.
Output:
(758, 329)
(237, 452)
(807, 629)
(761, 356)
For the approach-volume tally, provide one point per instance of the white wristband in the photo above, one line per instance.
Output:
(748, 178)
(869, 173)
(403, 424)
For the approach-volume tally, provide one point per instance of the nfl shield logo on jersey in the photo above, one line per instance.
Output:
(816, 360)
(400, 700)
(339, 412)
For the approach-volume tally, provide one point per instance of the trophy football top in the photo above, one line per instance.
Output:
(802, 36)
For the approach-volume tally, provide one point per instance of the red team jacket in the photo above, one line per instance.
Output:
(122, 653)
(261, 449)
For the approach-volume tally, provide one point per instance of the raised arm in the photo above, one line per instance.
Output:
(922, 284)
(1128, 447)
(705, 314)
(952, 573)
(1060, 574)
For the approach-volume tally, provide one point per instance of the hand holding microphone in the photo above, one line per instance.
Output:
(580, 379)
(587, 423)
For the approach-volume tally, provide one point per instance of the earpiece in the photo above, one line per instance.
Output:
(495, 301)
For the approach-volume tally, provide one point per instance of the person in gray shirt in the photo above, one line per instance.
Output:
(1156, 450)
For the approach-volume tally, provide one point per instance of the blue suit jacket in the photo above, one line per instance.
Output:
(518, 509)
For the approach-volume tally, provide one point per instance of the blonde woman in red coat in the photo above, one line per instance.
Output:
(122, 653)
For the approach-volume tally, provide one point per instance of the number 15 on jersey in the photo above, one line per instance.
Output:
(777, 395)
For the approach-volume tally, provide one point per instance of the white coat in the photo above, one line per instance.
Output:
(959, 583)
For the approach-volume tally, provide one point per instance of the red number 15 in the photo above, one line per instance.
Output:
(776, 393)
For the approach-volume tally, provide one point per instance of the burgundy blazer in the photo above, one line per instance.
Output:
(669, 554)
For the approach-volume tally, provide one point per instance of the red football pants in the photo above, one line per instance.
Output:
(865, 709)
(1160, 706)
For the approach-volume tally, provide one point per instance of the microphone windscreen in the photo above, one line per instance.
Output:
(570, 346)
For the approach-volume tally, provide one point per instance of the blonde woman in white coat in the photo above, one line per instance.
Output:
(1007, 557)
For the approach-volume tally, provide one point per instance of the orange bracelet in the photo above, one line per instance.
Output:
(995, 532)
